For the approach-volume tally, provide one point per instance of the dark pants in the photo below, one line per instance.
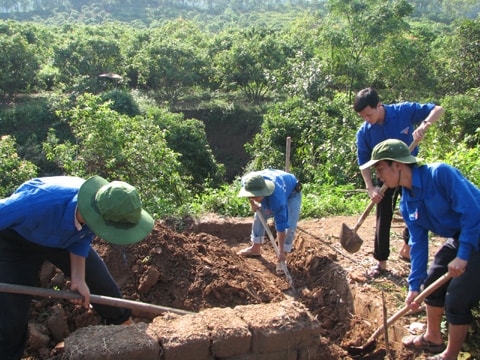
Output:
(384, 213)
(20, 263)
(460, 294)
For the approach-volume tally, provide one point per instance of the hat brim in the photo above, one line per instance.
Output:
(404, 160)
(113, 232)
(268, 190)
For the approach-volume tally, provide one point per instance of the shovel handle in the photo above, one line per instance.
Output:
(275, 247)
(382, 191)
(94, 299)
(419, 299)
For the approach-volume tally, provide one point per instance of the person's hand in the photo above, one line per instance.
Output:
(457, 267)
(82, 288)
(375, 195)
(409, 300)
(254, 205)
(421, 131)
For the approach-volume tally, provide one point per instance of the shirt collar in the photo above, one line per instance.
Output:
(416, 182)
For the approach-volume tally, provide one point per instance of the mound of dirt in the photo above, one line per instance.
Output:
(196, 267)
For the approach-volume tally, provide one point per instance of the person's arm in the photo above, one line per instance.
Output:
(431, 119)
(77, 266)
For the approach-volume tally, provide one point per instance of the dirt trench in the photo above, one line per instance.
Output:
(196, 268)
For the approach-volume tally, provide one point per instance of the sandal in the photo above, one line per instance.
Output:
(409, 342)
(435, 357)
(375, 271)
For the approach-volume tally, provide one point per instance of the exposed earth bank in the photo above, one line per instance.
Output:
(196, 267)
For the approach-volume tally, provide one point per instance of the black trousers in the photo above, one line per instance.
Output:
(460, 295)
(384, 214)
(20, 263)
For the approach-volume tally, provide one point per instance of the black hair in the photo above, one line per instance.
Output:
(366, 97)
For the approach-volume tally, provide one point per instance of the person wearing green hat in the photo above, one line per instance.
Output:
(437, 198)
(406, 121)
(55, 219)
(277, 194)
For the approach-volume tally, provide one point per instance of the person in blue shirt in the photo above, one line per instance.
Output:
(276, 193)
(438, 198)
(407, 121)
(55, 219)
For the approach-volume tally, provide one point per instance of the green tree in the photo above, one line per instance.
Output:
(323, 141)
(170, 61)
(187, 137)
(459, 57)
(18, 63)
(252, 62)
(353, 26)
(86, 53)
(119, 147)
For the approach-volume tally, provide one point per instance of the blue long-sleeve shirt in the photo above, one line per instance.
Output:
(277, 202)
(444, 202)
(42, 210)
(399, 123)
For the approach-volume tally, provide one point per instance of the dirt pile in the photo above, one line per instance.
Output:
(197, 268)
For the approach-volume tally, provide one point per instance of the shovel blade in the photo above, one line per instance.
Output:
(349, 240)
(362, 350)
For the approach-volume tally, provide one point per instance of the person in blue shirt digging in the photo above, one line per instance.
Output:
(55, 219)
(276, 193)
(438, 198)
(406, 121)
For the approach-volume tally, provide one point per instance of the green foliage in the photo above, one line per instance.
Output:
(14, 170)
(18, 64)
(323, 140)
(467, 160)
(459, 57)
(223, 200)
(119, 147)
(319, 201)
(187, 137)
(122, 102)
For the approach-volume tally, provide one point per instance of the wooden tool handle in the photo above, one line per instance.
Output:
(419, 299)
(94, 299)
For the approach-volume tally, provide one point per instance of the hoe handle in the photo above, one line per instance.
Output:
(154, 310)
(277, 250)
(419, 299)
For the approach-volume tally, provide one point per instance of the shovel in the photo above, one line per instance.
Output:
(349, 238)
(370, 344)
(275, 247)
(94, 299)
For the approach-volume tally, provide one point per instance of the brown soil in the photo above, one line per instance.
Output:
(197, 267)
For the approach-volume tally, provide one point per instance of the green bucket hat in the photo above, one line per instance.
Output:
(391, 149)
(256, 185)
(113, 211)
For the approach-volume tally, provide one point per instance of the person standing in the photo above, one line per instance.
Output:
(55, 219)
(438, 198)
(276, 193)
(406, 121)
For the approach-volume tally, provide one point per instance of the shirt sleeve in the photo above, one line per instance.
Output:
(364, 151)
(419, 256)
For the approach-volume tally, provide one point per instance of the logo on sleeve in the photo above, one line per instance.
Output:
(413, 216)
(405, 131)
